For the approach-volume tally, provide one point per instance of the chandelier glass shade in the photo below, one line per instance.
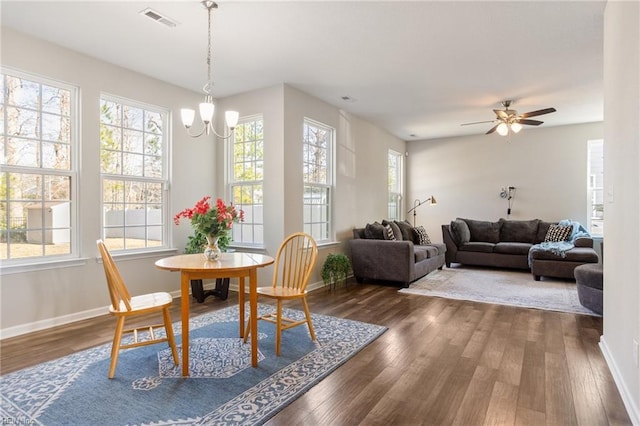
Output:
(506, 126)
(207, 108)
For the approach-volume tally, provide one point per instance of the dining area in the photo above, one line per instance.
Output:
(292, 268)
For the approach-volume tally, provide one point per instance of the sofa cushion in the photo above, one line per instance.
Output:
(424, 252)
(518, 231)
(543, 228)
(512, 248)
(460, 232)
(558, 233)
(440, 247)
(484, 231)
(481, 247)
(405, 229)
(374, 231)
(576, 254)
(420, 236)
(396, 230)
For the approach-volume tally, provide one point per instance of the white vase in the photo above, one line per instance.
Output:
(212, 250)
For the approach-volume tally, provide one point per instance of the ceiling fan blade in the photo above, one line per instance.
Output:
(478, 122)
(530, 122)
(493, 129)
(501, 114)
(536, 113)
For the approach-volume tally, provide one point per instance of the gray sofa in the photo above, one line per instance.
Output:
(401, 260)
(506, 244)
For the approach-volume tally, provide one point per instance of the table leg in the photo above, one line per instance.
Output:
(184, 291)
(253, 315)
(241, 305)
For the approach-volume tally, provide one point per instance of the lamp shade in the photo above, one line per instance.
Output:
(187, 115)
(503, 129)
(433, 200)
(206, 111)
(516, 127)
(231, 117)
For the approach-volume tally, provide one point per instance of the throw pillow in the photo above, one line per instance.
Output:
(374, 231)
(420, 236)
(460, 232)
(558, 233)
(405, 229)
(388, 233)
(396, 230)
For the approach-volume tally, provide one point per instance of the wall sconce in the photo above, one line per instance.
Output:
(417, 203)
(508, 193)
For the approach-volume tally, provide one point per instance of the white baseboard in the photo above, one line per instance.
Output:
(632, 409)
(18, 330)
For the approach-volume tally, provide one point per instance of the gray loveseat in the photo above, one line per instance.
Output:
(506, 244)
(402, 260)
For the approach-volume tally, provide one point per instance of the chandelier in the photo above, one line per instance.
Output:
(207, 107)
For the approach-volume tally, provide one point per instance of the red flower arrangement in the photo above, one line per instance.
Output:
(208, 220)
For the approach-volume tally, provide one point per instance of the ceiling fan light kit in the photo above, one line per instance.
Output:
(508, 121)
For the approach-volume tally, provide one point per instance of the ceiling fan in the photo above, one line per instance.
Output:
(509, 119)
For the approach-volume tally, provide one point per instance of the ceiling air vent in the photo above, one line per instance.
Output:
(158, 17)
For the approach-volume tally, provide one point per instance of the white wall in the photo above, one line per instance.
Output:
(32, 300)
(361, 164)
(36, 300)
(547, 166)
(622, 198)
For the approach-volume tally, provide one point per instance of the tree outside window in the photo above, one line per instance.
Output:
(37, 173)
(132, 165)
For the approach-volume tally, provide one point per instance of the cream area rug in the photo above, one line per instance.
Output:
(501, 287)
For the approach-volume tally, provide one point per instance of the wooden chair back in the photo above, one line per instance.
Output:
(117, 288)
(294, 262)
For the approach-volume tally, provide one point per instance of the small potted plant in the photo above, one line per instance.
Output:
(336, 267)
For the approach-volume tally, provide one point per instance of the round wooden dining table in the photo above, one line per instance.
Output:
(229, 265)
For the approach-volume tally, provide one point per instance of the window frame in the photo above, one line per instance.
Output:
(47, 261)
(593, 190)
(232, 183)
(163, 180)
(327, 187)
(398, 194)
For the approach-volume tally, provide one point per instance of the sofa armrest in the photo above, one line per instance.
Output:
(452, 248)
(382, 259)
(583, 242)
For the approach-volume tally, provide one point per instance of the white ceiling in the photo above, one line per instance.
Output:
(414, 68)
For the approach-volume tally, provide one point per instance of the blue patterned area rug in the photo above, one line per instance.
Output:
(148, 390)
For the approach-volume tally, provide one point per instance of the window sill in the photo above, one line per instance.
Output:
(42, 266)
(123, 255)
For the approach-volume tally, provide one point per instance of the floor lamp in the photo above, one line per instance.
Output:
(417, 203)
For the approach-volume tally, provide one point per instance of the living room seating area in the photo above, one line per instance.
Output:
(546, 248)
(394, 251)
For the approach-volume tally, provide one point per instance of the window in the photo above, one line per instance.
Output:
(395, 185)
(595, 187)
(317, 168)
(38, 172)
(132, 165)
(246, 180)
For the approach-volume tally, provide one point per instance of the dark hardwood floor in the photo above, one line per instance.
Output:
(441, 362)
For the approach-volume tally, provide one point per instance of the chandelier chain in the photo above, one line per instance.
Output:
(209, 84)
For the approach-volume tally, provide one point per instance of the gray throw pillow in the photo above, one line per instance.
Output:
(518, 231)
(484, 231)
(460, 232)
(406, 229)
(374, 231)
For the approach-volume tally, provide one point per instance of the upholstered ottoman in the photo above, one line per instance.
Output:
(589, 282)
(548, 264)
